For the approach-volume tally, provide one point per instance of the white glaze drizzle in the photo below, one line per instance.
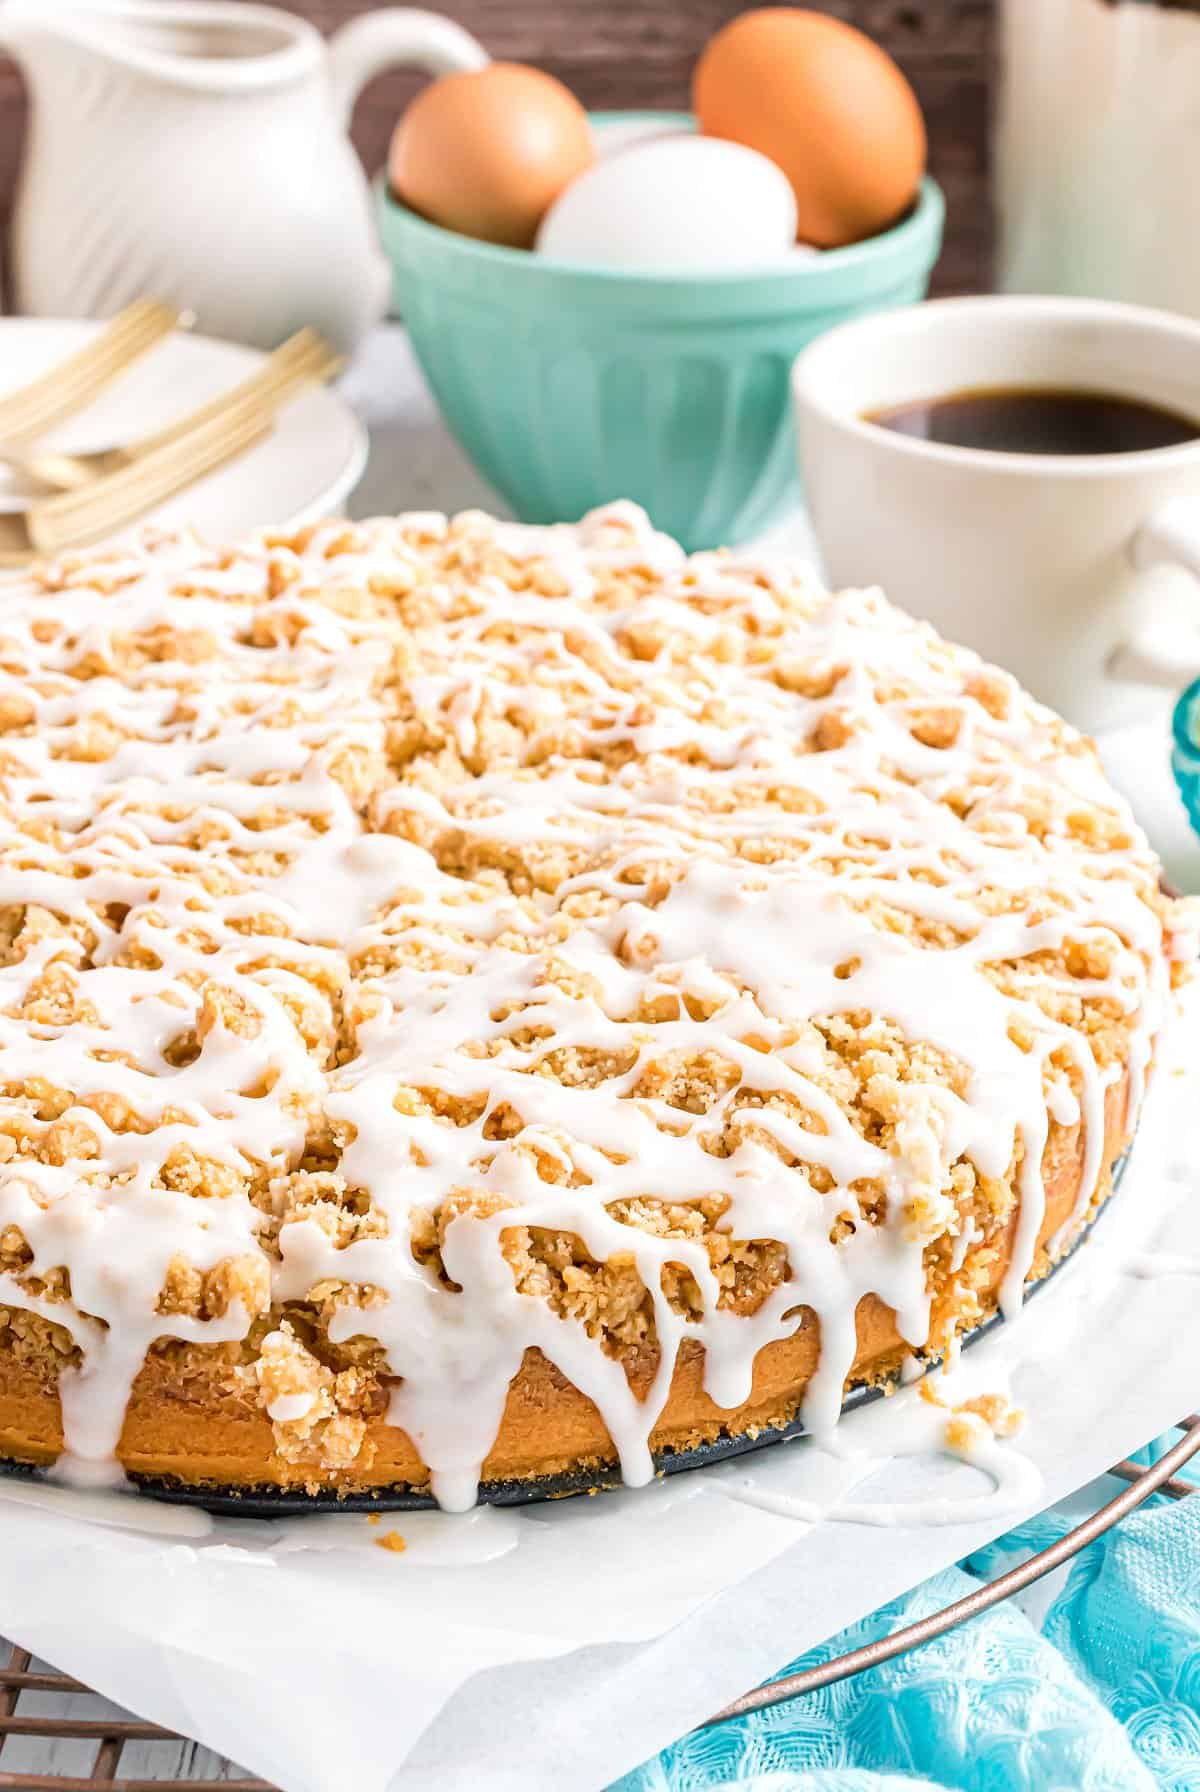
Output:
(1015, 1482)
(133, 803)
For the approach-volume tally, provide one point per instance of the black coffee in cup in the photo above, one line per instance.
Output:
(1034, 420)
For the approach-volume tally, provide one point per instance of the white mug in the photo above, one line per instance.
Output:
(1076, 572)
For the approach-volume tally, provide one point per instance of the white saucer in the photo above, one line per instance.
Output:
(306, 468)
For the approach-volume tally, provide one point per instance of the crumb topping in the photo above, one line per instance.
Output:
(424, 941)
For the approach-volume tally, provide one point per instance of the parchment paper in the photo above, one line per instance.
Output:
(555, 1648)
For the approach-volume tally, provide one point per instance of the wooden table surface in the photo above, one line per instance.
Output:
(28, 1759)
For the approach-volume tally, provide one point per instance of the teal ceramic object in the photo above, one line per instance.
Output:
(1185, 751)
(570, 385)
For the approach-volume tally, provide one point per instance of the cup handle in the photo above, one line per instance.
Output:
(397, 37)
(1163, 653)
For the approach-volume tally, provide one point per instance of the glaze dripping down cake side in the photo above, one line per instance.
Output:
(485, 1000)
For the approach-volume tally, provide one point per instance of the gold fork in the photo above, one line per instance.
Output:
(304, 356)
(107, 504)
(73, 383)
(76, 519)
(222, 429)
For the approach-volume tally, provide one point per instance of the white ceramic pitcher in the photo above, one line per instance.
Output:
(197, 151)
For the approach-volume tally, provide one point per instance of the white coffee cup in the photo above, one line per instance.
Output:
(1076, 572)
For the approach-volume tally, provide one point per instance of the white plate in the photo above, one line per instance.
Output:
(305, 469)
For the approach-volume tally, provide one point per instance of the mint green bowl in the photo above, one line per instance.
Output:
(570, 385)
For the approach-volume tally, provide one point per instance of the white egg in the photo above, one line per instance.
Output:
(679, 204)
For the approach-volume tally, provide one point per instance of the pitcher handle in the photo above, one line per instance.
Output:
(1163, 653)
(397, 37)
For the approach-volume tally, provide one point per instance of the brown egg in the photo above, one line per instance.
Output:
(828, 106)
(486, 153)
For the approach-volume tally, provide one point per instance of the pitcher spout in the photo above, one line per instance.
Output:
(208, 45)
(55, 45)
(35, 35)
(22, 27)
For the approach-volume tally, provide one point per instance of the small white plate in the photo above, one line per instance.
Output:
(306, 468)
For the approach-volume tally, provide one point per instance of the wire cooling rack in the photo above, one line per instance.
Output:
(24, 1683)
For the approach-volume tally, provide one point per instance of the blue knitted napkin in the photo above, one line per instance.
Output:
(1103, 1697)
